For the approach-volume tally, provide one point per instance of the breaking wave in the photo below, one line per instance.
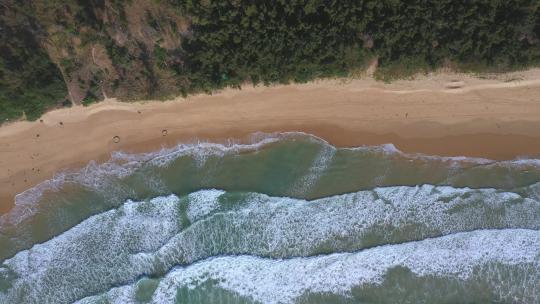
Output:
(284, 218)
(149, 238)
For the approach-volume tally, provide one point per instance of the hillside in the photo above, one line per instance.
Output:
(58, 53)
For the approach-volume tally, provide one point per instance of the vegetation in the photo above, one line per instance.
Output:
(297, 40)
(201, 45)
(30, 82)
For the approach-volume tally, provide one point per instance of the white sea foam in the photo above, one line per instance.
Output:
(283, 281)
(125, 243)
(477, 255)
(317, 168)
(202, 203)
(117, 295)
(100, 177)
(144, 237)
(281, 227)
(94, 254)
(391, 149)
(533, 191)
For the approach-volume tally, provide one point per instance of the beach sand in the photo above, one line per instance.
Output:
(441, 114)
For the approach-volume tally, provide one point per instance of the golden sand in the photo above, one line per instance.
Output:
(441, 114)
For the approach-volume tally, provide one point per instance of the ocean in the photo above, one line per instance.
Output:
(284, 218)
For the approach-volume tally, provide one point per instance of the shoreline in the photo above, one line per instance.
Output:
(442, 114)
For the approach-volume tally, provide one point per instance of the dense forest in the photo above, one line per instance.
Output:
(56, 53)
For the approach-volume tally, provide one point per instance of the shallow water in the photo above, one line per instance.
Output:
(285, 219)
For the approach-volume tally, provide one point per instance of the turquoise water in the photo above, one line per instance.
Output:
(287, 218)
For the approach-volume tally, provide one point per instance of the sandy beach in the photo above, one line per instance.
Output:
(441, 114)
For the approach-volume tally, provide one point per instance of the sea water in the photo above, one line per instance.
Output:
(287, 218)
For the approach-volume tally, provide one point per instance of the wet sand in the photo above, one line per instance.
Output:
(442, 114)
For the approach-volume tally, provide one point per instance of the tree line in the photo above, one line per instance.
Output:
(234, 42)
